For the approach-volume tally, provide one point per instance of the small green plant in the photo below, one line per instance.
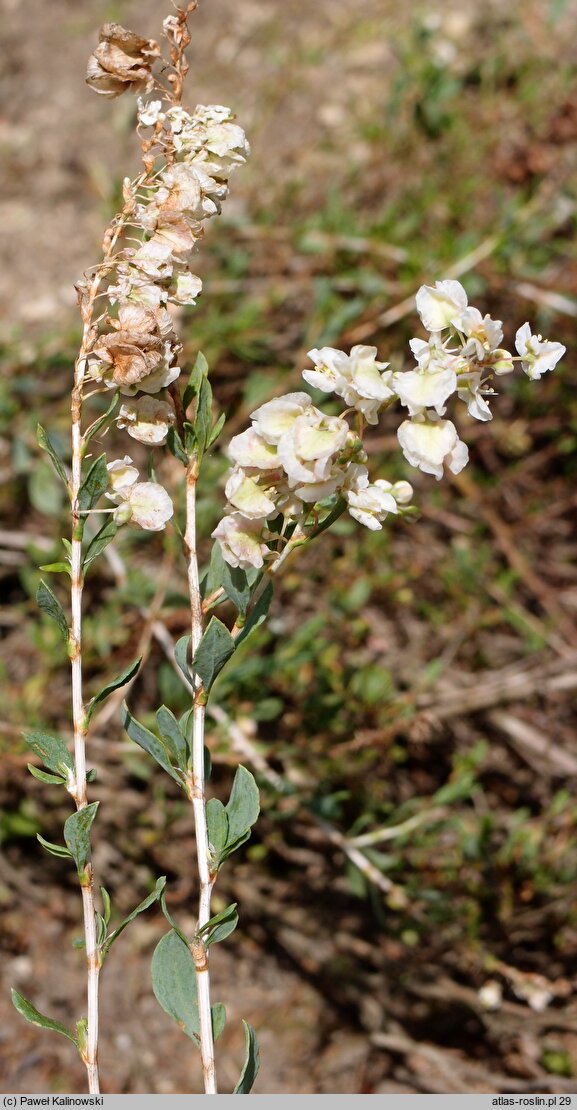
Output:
(295, 472)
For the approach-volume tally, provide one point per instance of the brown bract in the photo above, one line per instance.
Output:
(122, 60)
(137, 347)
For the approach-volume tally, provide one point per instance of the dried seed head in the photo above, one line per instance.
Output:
(122, 60)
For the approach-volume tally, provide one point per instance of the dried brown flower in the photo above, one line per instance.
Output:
(138, 346)
(122, 60)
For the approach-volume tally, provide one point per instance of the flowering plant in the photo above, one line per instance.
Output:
(293, 473)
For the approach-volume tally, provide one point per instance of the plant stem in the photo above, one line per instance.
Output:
(197, 793)
(90, 1054)
(93, 958)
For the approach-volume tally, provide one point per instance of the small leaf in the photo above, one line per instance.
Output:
(258, 614)
(142, 906)
(46, 444)
(100, 928)
(216, 430)
(57, 568)
(94, 485)
(28, 1011)
(128, 673)
(220, 926)
(216, 646)
(82, 1035)
(198, 372)
(251, 1063)
(243, 806)
(239, 585)
(101, 540)
(54, 849)
(174, 983)
(77, 834)
(149, 742)
(49, 604)
(106, 903)
(217, 828)
(218, 1019)
(176, 446)
(43, 776)
(203, 416)
(181, 650)
(174, 739)
(51, 750)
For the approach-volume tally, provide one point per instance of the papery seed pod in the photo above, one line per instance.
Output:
(122, 60)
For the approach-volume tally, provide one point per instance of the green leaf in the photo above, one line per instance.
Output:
(176, 446)
(98, 424)
(101, 540)
(181, 651)
(115, 684)
(239, 585)
(54, 849)
(100, 928)
(251, 1062)
(28, 1011)
(51, 750)
(77, 834)
(220, 926)
(49, 604)
(94, 485)
(82, 1035)
(218, 1019)
(197, 374)
(42, 776)
(149, 742)
(106, 903)
(154, 896)
(173, 737)
(46, 444)
(57, 568)
(258, 614)
(217, 828)
(174, 983)
(216, 646)
(203, 416)
(217, 429)
(243, 806)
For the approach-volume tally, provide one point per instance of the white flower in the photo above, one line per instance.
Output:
(438, 305)
(538, 355)
(149, 504)
(483, 334)
(419, 389)
(249, 449)
(188, 287)
(275, 418)
(147, 420)
(307, 450)
(240, 541)
(469, 391)
(430, 442)
(357, 378)
(246, 495)
(370, 505)
(122, 474)
(163, 376)
(151, 113)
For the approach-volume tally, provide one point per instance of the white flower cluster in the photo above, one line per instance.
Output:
(136, 349)
(295, 456)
